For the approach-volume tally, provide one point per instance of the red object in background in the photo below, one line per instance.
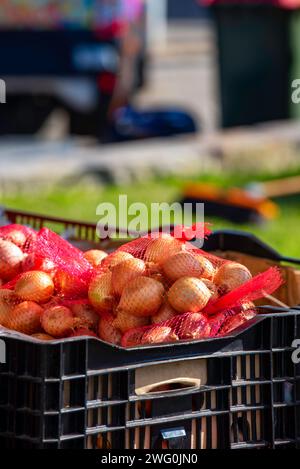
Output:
(288, 4)
(107, 82)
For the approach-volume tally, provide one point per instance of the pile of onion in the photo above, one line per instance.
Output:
(158, 294)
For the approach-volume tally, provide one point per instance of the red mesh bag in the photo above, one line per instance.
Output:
(161, 288)
(157, 289)
(39, 271)
(20, 235)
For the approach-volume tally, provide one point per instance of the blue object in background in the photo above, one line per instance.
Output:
(130, 124)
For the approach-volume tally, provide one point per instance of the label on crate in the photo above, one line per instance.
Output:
(176, 433)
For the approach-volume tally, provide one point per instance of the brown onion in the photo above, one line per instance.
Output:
(107, 331)
(17, 237)
(188, 294)
(42, 336)
(159, 335)
(58, 321)
(114, 259)
(126, 271)
(185, 264)
(11, 258)
(100, 292)
(25, 318)
(208, 270)
(143, 296)
(95, 256)
(87, 315)
(8, 301)
(165, 313)
(212, 288)
(125, 321)
(230, 276)
(34, 285)
(161, 248)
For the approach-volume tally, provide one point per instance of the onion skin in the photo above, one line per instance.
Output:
(100, 293)
(83, 332)
(58, 321)
(161, 248)
(89, 318)
(125, 272)
(124, 322)
(142, 297)
(8, 301)
(165, 313)
(17, 237)
(66, 285)
(107, 332)
(11, 258)
(95, 257)
(230, 276)
(25, 318)
(208, 269)
(42, 336)
(159, 335)
(188, 294)
(185, 264)
(114, 259)
(133, 337)
(34, 286)
(212, 288)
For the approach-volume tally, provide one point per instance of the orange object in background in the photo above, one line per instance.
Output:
(234, 199)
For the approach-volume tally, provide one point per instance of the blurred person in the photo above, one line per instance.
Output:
(132, 62)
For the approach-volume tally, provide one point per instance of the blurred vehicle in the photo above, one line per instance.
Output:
(63, 54)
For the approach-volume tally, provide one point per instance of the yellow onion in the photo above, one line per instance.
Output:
(100, 292)
(17, 237)
(159, 335)
(189, 294)
(114, 259)
(42, 336)
(85, 312)
(25, 318)
(231, 275)
(8, 301)
(208, 270)
(143, 296)
(161, 248)
(125, 321)
(11, 258)
(212, 288)
(65, 284)
(107, 331)
(58, 321)
(95, 256)
(34, 286)
(183, 264)
(164, 313)
(126, 271)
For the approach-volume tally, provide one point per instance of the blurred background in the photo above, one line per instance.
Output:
(162, 100)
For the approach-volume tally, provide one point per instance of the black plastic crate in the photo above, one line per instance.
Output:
(83, 393)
